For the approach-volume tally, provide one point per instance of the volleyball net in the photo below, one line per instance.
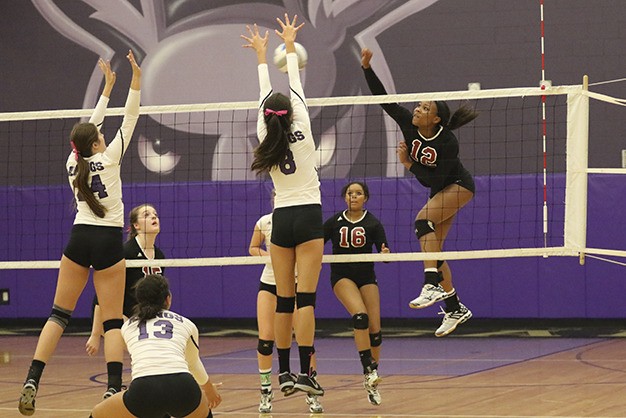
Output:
(192, 163)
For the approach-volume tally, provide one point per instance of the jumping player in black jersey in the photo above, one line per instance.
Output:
(168, 377)
(431, 152)
(287, 152)
(354, 231)
(144, 226)
(93, 170)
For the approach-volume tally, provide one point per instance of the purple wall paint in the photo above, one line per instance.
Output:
(498, 288)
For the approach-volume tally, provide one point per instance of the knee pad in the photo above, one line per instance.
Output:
(440, 263)
(360, 321)
(285, 305)
(112, 324)
(376, 339)
(305, 299)
(265, 347)
(60, 316)
(423, 227)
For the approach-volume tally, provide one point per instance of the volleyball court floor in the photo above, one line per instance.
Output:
(463, 375)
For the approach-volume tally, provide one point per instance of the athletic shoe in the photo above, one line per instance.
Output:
(452, 319)
(430, 294)
(309, 385)
(265, 406)
(372, 379)
(315, 407)
(110, 392)
(371, 386)
(27, 398)
(287, 381)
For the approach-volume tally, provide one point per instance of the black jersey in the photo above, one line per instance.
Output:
(132, 251)
(436, 160)
(357, 237)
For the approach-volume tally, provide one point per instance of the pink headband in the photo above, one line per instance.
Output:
(269, 111)
(76, 153)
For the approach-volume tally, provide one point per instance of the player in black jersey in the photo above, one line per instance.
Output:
(431, 152)
(144, 226)
(356, 231)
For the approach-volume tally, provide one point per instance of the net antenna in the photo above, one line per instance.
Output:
(544, 129)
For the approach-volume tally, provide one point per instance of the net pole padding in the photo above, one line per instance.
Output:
(321, 102)
(577, 154)
(343, 258)
(581, 256)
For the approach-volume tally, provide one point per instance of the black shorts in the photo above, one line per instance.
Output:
(295, 225)
(175, 394)
(97, 246)
(268, 288)
(359, 280)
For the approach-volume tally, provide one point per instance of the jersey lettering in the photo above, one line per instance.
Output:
(166, 330)
(147, 270)
(355, 237)
(96, 187)
(295, 136)
(288, 165)
(426, 156)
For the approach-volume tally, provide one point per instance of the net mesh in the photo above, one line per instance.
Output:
(192, 163)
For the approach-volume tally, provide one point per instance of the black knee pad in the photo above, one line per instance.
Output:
(423, 227)
(112, 324)
(360, 321)
(60, 316)
(376, 339)
(305, 299)
(285, 305)
(265, 347)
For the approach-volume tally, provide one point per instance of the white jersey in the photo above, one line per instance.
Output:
(265, 226)
(162, 345)
(104, 173)
(295, 180)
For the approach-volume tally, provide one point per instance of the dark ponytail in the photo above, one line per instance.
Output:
(83, 136)
(277, 113)
(151, 292)
(463, 115)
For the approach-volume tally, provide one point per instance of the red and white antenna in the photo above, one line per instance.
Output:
(544, 129)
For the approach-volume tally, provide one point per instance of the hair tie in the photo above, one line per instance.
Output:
(269, 111)
(76, 153)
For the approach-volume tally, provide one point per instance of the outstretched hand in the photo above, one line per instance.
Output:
(366, 57)
(256, 41)
(109, 76)
(384, 249)
(135, 82)
(289, 30)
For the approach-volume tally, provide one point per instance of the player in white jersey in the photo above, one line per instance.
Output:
(168, 377)
(260, 244)
(287, 152)
(96, 239)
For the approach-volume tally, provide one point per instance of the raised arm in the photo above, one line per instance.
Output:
(109, 81)
(259, 44)
(118, 146)
(400, 114)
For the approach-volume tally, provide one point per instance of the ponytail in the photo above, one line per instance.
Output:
(277, 113)
(83, 136)
(462, 116)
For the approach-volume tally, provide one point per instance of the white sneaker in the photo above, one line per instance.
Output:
(430, 294)
(27, 398)
(265, 405)
(315, 407)
(371, 386)
(452, 319)
(372, 379)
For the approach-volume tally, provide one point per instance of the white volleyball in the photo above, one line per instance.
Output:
(280, 57)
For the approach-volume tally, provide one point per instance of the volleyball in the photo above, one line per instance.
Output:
(280, 57)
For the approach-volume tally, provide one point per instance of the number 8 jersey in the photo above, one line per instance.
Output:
(104, 167)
